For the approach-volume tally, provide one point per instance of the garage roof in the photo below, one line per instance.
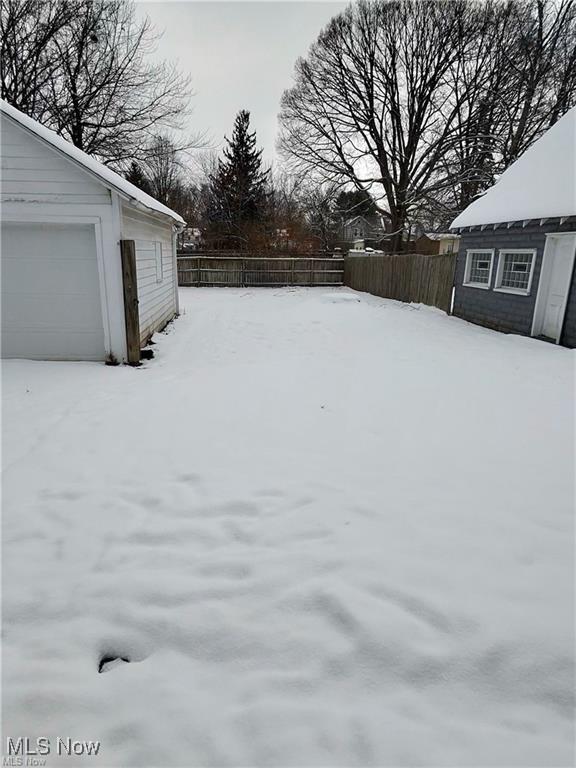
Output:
(541, 184)
(107, 176)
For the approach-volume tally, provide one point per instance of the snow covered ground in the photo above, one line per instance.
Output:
(326, 528)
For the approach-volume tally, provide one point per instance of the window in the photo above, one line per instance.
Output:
(478, 272)
(158, 250)
(515, 268)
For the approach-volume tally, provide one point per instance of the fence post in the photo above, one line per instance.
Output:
(130, 283)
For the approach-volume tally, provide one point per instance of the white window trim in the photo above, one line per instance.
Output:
(466, 282)
(516, 291)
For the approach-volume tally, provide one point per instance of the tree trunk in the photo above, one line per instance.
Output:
(397, 223)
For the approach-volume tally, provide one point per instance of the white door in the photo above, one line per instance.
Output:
(51, 306)
(554, 285)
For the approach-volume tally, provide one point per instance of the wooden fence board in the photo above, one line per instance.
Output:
(218, 269)
(409, 277)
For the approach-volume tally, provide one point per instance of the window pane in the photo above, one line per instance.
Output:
(479, 268)
(516, 270)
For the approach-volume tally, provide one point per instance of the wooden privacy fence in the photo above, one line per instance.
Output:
(405, 277)
(259, 271)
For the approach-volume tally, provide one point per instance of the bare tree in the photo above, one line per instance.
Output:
(321, 213)
(529, 81)
(164, 174)
(541, 74)
(28, 62)
(163, 168)
(285, 203)
(420, 103)
(94, 83)
(372, 104)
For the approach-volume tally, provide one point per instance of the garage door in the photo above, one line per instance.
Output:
(50, 292)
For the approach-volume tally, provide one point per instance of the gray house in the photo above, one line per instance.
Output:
(362, 228)
(515, 266)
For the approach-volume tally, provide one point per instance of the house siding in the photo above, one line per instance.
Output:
(33, 172)
(156, 299)
(504, 311)
(359, 228)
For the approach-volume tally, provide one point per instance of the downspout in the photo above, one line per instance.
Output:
(176, 229)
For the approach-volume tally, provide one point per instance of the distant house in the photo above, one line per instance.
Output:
(436, 242)
(63, 218)
(515, 266)
(362, 228)
(189, 239)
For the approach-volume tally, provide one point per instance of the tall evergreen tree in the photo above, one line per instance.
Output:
(238, 187)
(135, 175)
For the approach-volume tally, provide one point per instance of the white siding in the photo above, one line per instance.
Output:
(155, 269)
(34, 172)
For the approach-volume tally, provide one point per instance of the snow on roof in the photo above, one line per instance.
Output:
(540, 184)
(441, 235)
(355, 218)
(373, 221)
(107, 176)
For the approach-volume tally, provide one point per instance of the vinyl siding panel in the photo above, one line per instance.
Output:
(34, 172)
(504, 311)
(155, 269)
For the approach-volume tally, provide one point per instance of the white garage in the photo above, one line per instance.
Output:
(88, 260)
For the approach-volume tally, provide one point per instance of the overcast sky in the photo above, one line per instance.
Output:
(240, 55)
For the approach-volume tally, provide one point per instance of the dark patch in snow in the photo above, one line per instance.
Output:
(107, 661)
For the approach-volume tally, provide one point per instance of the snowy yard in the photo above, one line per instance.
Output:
(327, 529)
